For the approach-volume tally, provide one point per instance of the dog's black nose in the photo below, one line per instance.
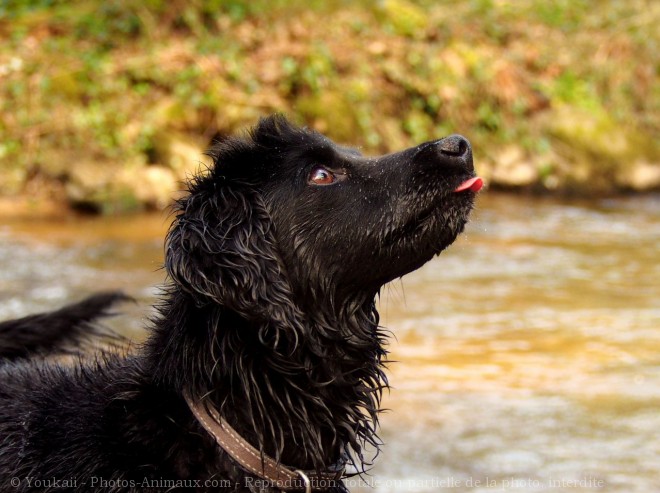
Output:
(455, 150)
(455, 145)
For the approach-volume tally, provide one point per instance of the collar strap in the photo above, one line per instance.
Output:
(257, 463)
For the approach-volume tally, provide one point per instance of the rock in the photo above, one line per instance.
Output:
(641, 176)
(93, 186)
(152, 186)
(513, 169)
(109, 187)
(89, 181)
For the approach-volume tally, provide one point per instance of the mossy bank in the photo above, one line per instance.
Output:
(108, 106)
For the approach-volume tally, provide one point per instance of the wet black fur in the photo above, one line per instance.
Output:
(269, 314)
(58, 332)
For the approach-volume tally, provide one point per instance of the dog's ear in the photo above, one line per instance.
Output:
(220, 249)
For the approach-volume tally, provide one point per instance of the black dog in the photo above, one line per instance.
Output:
(268, 325)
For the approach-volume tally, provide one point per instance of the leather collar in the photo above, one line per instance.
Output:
(252, 460)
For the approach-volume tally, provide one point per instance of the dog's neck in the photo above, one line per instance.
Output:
(305, 402)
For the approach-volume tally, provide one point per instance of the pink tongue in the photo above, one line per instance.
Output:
(474, 184)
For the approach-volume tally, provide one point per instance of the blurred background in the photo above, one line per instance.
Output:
(528, 355)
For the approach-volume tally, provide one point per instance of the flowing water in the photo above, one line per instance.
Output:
(528, 354)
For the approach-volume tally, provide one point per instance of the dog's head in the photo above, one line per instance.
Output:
(285, 210)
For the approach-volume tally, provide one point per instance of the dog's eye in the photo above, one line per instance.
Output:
(321, 176)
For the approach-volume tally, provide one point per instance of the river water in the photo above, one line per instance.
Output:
(527, 355)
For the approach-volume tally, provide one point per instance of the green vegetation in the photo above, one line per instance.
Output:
(109, 103)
